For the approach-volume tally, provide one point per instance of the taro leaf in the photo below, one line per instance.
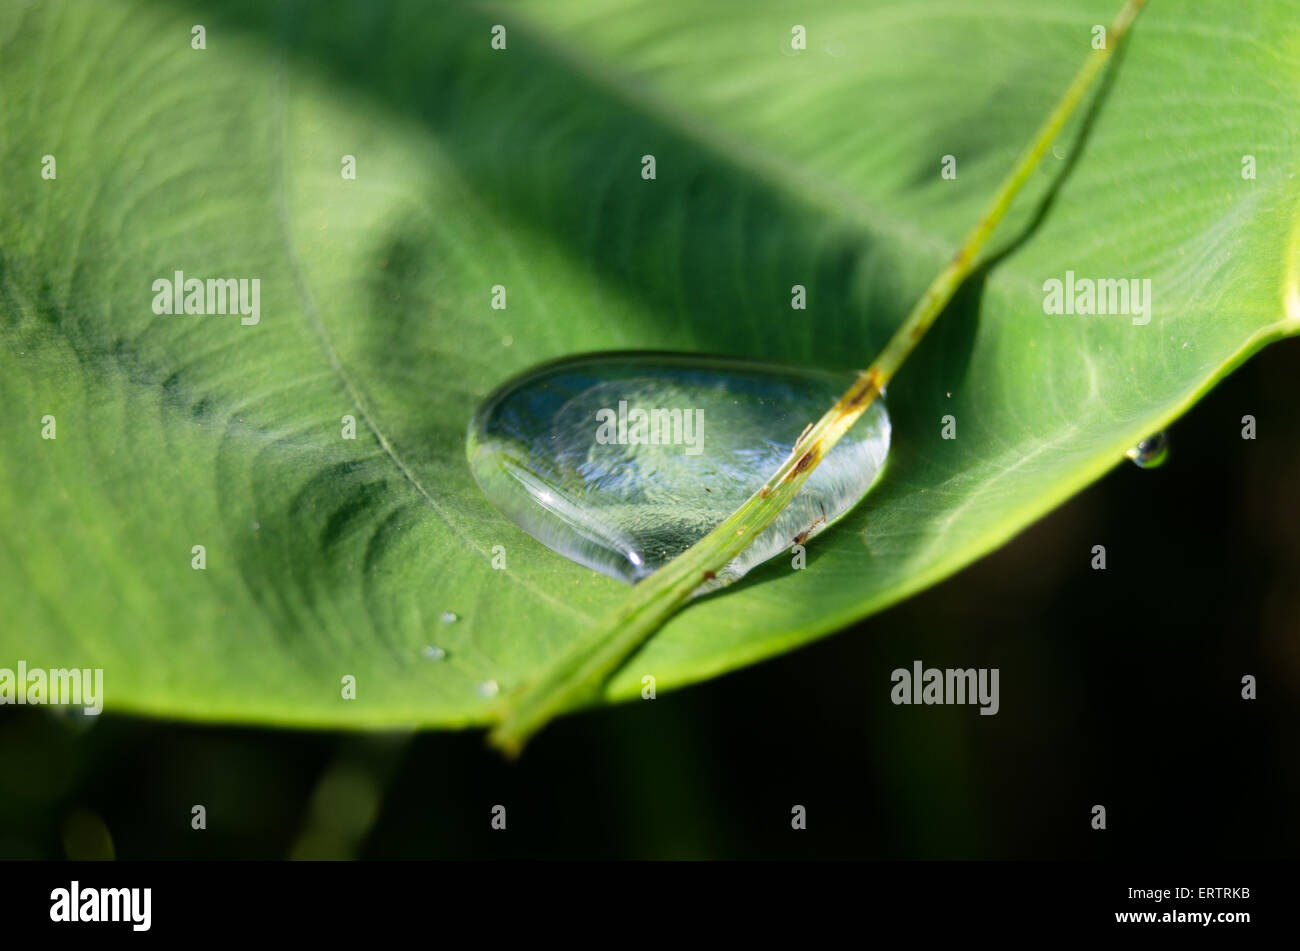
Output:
(521, 167)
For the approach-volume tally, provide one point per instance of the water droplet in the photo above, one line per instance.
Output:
(1150, 452)
(449, 617)
(433, 652)
(553, 450)
(488, 688)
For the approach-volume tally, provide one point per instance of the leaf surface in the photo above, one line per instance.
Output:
(328, 557)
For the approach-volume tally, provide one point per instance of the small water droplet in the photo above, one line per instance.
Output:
(562, 452)
(257, 526)
(1058, 152)
(434, 652)
(1150, 452)
(507, 340)
(449, 617)
(488, 688)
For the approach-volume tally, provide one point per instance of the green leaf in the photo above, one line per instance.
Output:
(521, 167)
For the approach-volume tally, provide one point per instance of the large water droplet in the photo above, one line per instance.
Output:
(1150, 452)
(554, 451)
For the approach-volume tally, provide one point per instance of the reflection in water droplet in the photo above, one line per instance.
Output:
(449, 616)
(488, 688)
(1150, 452)
(433, 652)
(570, 453)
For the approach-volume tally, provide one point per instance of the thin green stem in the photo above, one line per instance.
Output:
(579, 673)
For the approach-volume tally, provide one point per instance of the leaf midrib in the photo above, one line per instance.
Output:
(312, 316)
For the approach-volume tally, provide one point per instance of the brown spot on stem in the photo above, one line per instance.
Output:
(805, 462)
(864, 395)
(709, 576)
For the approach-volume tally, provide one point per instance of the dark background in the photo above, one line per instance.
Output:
(1119, 687)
